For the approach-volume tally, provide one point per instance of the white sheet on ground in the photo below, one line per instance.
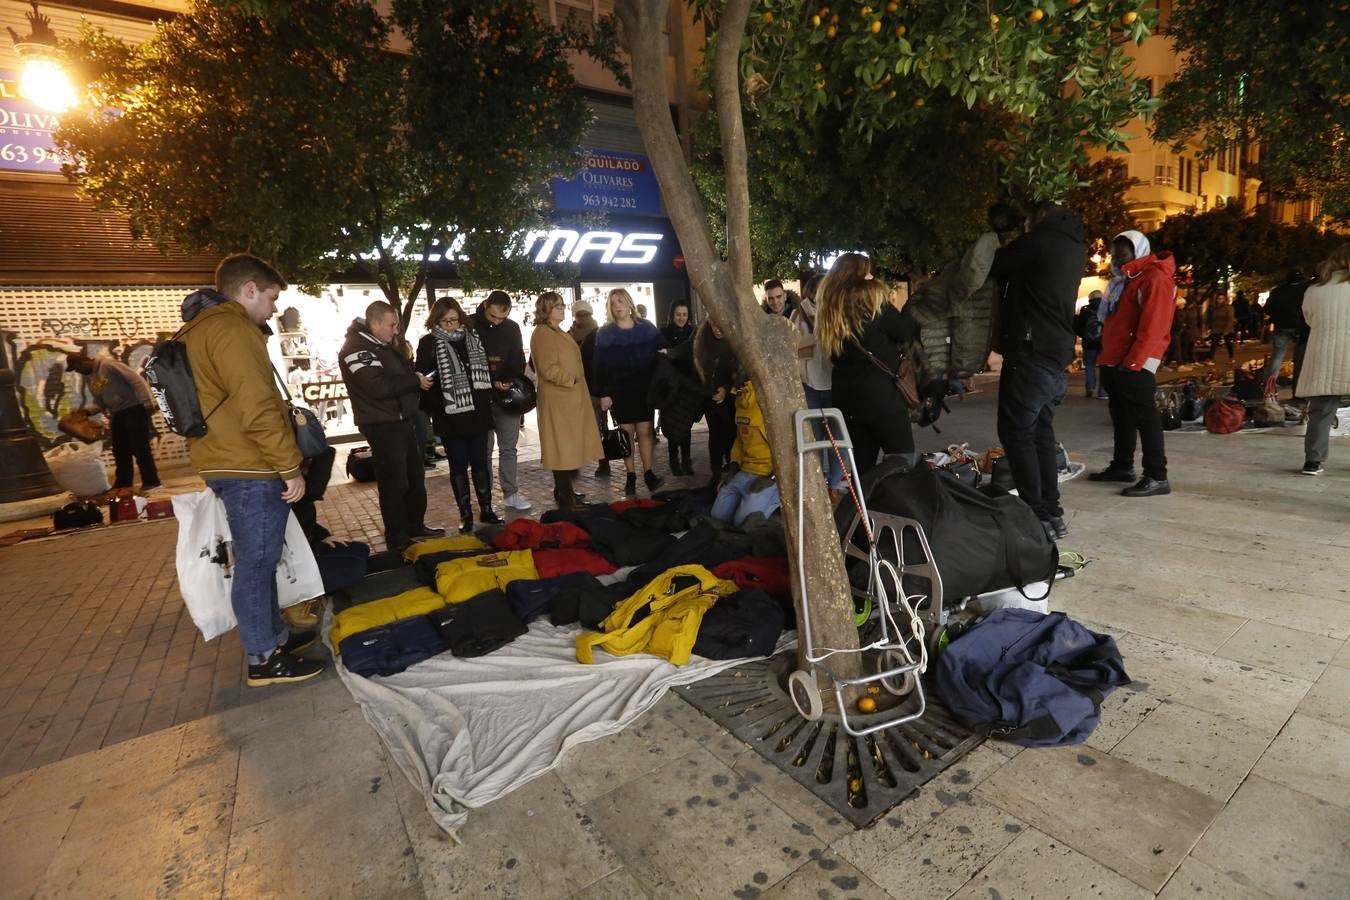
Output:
(467, 731)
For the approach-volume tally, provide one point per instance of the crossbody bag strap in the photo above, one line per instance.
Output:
(872, 356)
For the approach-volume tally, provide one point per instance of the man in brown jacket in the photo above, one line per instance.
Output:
(248, 455)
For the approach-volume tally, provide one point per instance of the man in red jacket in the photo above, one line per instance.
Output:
(1140, 302)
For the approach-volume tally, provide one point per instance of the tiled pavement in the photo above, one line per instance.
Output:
(1223, 772)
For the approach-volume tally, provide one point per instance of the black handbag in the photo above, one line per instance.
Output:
(361, 464)
(616, 443)
(309, 435)
(1169, 410)
(79, 514)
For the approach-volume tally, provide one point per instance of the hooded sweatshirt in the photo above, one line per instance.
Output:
(1138, 327)
(1041, 271)
(380, 380)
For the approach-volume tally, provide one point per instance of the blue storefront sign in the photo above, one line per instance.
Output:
(612, 182)
(25, 130)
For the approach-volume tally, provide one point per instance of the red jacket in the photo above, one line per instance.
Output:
(1140, 327)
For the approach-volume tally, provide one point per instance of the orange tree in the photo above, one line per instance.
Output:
(1277, 75)
(1056, 67)
(293, 130)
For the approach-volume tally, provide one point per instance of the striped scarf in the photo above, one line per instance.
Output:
(457, 383)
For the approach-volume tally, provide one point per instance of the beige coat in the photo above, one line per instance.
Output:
(1326, 363)
(568, 437)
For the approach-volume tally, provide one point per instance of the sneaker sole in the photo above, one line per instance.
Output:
(264, 682)
(1318, 472)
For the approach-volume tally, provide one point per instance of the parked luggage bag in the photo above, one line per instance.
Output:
(1032, 679)
(979, 543)
(361, 464)
(1225, 415)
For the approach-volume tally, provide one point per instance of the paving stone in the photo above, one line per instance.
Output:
(1280, 841)
(1126, 607)
(1121, 713)
(1284, 650)
(1200, 881)
(1131, 820)
(1202, 750)
(1311, 756)
(794, 799)
(684, 812)
(28, 844)
(1342, 657)
(595, 768)
(618, 885)
(1329, 699)
(825, 875)
(1036, 865)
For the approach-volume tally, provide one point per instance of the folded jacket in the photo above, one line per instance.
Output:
(552, 563)
(417, 602)
(389, 649)
(768, 574)
(460, 579)
(587, 601)
(479, 625)
(527, 534)
(582, 516)
(622, 506)
(341, 565)
(532, 599)
(667, 517)
(377, 587)
(428, 562)
(418, 549)
(674, 604)
(699, 546)
(626, 545)
(745, 624)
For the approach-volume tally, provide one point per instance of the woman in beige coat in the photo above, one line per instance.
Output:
(568, 437)
(1325, 375)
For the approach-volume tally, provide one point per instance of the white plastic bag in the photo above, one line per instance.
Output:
(79, 468)
(1012, 598)
(205, 563)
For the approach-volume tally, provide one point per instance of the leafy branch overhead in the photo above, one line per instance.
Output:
(1059, 69)
(295, 130)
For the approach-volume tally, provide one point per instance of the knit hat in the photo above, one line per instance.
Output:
(581, 308)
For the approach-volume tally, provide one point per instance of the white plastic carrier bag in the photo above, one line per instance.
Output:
(79, 468)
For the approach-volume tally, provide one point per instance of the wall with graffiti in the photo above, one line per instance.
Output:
(40, 324)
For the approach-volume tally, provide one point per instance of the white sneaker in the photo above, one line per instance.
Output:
(515, 501)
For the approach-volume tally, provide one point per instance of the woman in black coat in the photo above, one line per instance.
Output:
(715, 363)
(680, 328)
(460, 404)
(679, 396)
(863, 332)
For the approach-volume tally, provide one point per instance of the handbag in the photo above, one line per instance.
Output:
(905, 377)
(1269, 412)
(1168, 409)
(309, 436)
(1224, 415)
(616, 443)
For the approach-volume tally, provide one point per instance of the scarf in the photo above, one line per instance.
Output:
(457, 383)
(1119, 279)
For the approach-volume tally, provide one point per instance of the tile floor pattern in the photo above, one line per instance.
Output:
(1223, 771)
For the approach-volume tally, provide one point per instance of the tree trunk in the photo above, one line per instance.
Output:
(765, 345)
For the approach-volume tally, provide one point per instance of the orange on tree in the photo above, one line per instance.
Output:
(875, 26)
(768, 18)
(1129, 17)
(1035, 15)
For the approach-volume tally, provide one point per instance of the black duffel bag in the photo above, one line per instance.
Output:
(980, 543)
(361, 464)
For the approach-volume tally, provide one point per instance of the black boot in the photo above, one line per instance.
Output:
(577, 499)
(562, 489)
(652, 480)
(482, 486)
(630, 485)
(459, 483)
(675, 468)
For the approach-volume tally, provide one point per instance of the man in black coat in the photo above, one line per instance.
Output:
(505, 348)
(1284, 308)
(1040, 273)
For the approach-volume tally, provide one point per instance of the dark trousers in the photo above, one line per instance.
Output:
(874, 432)
(1229, 341)
(721, 419)
(464, 452)
(398, 475)
(1029, 388)
(131, 440)
(1134, 411)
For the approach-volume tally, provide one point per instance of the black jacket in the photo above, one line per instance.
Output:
(1284, 306)
(676, 392)
(504, 346)
(1040, 272)
(461, 425)
(859, 383)
(380, 380)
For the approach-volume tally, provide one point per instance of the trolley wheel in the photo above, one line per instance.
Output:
(893, 659)
(805, 695)
(861, 616)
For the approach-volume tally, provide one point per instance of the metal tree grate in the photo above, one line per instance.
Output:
(861, 778)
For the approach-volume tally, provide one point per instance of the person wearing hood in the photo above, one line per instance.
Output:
(459, 403)
(816, 372)
(1088, 326)
(385, 393)
(1139, 306)
(1040, 271)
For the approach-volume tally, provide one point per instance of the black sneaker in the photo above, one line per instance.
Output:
(1049, 530)
(1148, 487)
(282, 668)
(1058, 525)
(426, 531)
(1312, 467)
(1112, 474)
(299, 640)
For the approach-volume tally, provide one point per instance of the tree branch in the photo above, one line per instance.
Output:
(726, 79)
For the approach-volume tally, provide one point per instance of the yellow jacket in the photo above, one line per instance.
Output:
(364, 616)
(437, 545)
(670, 628)
(463, 579)
(751, 450)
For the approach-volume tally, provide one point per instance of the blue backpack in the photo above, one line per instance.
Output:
(1032, 679)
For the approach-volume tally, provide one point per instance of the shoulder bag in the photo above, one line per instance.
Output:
(309, 436)
(905, 377)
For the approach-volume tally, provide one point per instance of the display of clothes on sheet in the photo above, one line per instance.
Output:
(641, 576)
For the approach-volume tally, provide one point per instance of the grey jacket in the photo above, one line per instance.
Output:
(116, 386)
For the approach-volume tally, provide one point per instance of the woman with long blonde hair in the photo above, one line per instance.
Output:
(863, 333)
(622, 364)
(1325, 375)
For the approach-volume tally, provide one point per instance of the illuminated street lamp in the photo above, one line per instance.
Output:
(44, 79)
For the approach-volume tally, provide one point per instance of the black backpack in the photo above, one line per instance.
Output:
(1092, 329)
(175, 391)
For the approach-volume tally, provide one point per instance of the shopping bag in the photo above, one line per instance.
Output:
(205, 563)
(79, 468)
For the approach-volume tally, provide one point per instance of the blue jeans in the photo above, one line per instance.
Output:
(1090, 368)
(834, 474)
(1279, 342)
(257, 517)
(741, 497)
